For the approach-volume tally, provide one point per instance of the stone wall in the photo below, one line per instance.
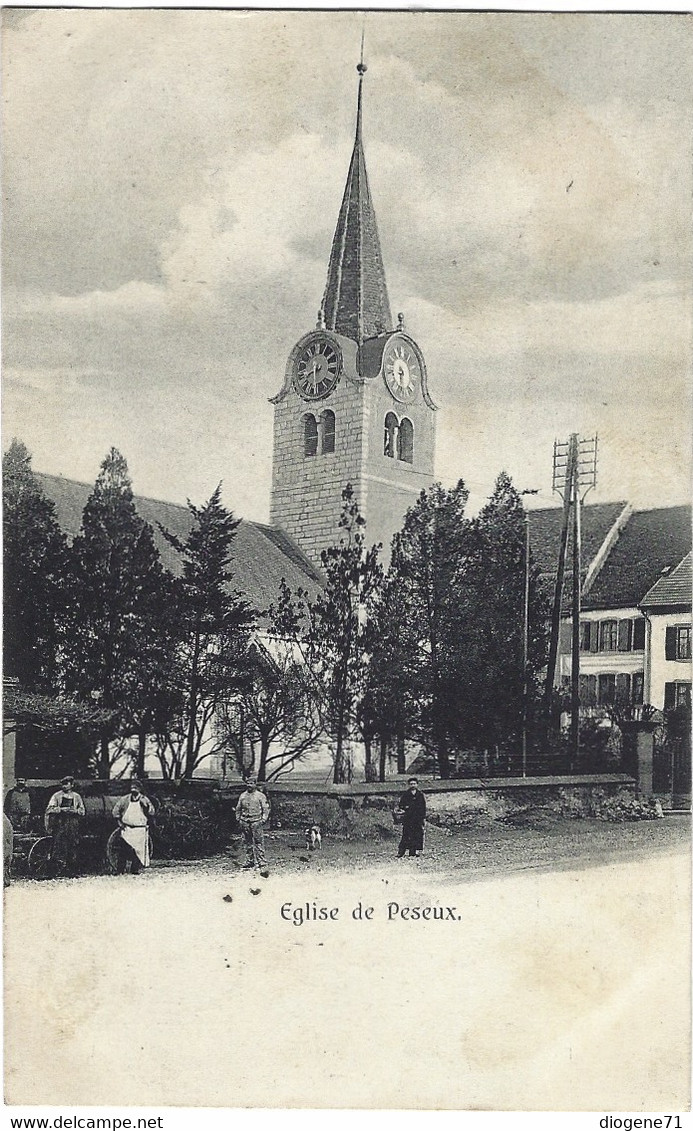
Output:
(366, 810)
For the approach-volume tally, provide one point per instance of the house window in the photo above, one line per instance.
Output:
(405, 450)
(327, 430)
(608, 636)
(677, 694)
(310, 435)
(390, 439)
(678, 642)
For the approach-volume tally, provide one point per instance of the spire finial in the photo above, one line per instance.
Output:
(361, 66)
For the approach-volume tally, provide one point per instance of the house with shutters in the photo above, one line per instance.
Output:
(667, 610)
(617, 667)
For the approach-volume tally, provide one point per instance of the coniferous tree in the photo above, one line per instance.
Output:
(428, 558)
(490, 617)
(36, 564)
(212, 660)
(119, 632)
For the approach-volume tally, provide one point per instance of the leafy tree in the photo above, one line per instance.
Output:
(332, 633)
(273, 723)
(35, 562)
(428, 558)
(212, 659)
(118, 646)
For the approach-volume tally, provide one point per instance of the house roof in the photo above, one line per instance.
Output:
(261, 555)
(598, 519)
(672, 590)
(650, 541)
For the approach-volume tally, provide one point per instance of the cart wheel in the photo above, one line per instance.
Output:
(39, 860)
(112, 852)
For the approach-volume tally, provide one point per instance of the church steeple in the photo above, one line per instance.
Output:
(355, 302)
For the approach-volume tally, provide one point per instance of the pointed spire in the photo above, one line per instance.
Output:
(355, 300)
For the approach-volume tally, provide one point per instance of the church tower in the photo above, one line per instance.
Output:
(355, 406)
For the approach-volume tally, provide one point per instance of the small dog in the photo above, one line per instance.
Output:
(313, 838)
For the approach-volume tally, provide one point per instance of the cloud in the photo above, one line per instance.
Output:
(172, 184)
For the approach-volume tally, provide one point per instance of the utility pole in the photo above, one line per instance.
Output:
(584, 479)
(574, 474)
(525, 637)
(563, 473)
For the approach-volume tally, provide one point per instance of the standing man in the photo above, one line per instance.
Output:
(132, 812)
(252, 812)
(412, 806)
(18, 806)
(63, 815)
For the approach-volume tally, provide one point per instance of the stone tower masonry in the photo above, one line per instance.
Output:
(355, 406)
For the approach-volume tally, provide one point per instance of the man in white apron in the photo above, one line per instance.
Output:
(132, 812)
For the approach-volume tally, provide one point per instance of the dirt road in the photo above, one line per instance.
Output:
(529, 988)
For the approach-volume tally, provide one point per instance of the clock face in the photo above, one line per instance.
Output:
(318, 366)
(402, 371)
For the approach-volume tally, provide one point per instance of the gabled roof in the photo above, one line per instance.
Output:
(261, 555)
(355, 302)
(598, 519)
(650, 541)
(672, 590)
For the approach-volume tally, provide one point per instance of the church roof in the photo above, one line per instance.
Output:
(261, 555)
(355, 302)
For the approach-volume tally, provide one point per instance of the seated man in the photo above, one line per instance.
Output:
(132, 812)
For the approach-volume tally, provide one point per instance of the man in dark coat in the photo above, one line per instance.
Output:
(412, 806)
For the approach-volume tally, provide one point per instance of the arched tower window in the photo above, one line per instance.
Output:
(390, 439)
(327, 431)
(405, 441)
(310, 435)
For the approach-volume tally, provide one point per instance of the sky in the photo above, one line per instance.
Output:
(171, 185)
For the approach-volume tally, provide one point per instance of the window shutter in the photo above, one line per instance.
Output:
(669, 694)
(607, 688)
(623, 688)
(585, 627)
(638, 634)
(670, 646)
(592, 690)
(594, 636)
(565, 636)
(624, 630)
(638, 685)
